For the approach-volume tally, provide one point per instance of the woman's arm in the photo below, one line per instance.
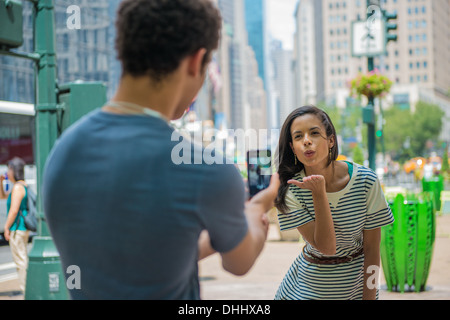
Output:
(3, 194)
(371, 243)
(319, 233)
(17, 194)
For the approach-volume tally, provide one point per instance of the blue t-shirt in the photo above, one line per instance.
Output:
(121, 209)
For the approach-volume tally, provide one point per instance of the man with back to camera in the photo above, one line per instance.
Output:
(116, 204)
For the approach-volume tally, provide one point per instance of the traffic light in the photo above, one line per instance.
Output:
(390, 26)
(379, 133)
(11, 23)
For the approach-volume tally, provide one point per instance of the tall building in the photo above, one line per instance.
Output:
(308, 50)
(283, 80)
(243, 68)
(256, 25)
(85, 53)
(17, 75)
(417, 62)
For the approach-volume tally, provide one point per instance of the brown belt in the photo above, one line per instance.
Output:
(322, 260)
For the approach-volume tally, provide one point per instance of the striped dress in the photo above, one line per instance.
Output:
(360, 206)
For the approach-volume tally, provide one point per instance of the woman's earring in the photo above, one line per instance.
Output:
(330, 154)
(295, 157)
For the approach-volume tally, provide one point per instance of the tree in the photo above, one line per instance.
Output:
(358, 156)
(396, 132)
(427, 125)
(406, 134)
(445, 165)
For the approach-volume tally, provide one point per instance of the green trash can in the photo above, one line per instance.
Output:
(407, 244)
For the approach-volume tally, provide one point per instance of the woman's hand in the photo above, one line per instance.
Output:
(315, 183)
(6, 233)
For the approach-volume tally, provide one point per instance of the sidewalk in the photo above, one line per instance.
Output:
(263, 279)
(261, 283)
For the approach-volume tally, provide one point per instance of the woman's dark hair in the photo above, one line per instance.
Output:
(285, 157)
(153, 36)
(18, 167)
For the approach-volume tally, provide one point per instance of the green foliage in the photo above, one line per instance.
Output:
(372, 84)
(358, 156)
(445, 166)
(425, 124)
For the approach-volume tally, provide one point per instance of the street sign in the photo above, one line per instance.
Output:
(368, 38)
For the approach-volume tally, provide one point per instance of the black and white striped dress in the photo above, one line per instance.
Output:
(360, 206)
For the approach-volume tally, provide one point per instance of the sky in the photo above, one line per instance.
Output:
(281, 21)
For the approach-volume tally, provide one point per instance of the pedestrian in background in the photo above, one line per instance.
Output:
(337, 206)
(14, 230)
(117, 204)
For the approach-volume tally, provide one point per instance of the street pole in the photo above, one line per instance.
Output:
(370, 109)
(45, 278)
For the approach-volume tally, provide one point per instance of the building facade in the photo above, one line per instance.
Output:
(417, 62)
(84, 52)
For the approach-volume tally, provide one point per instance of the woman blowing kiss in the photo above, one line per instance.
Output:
(338, 207)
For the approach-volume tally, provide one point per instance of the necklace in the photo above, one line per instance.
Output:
(135, 109)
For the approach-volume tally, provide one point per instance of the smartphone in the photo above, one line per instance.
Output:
(259, 170)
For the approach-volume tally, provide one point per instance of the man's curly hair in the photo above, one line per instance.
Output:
(153, 36)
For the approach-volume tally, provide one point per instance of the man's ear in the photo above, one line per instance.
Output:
(195, 64)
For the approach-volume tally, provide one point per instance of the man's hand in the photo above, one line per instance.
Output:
(239, 260)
